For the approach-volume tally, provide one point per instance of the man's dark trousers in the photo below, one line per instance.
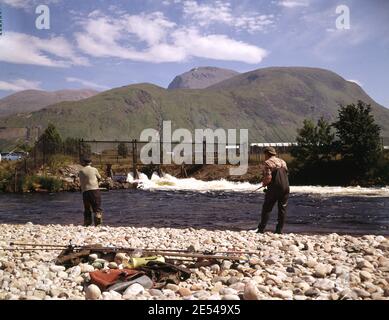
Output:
(278, 192)
(92, 203)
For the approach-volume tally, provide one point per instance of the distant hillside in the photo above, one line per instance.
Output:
(34, 100)
(200, 78)
(272, 103)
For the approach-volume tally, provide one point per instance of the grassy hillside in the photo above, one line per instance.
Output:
(271, 103)
(34, 100)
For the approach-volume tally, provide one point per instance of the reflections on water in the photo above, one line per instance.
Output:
(214, 205)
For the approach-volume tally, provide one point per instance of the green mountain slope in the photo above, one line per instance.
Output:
(34, 100)
(270, 102)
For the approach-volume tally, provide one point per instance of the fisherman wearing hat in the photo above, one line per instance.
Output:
(275, 178)
(89, 180)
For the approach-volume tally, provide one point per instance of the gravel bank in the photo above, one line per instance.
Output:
(290, 266)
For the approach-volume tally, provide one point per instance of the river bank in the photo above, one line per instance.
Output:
(290, 266)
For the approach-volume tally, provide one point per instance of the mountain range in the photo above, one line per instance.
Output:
(34, 100)
(271, 102)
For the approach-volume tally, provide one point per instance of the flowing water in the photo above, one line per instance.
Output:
(182, 203)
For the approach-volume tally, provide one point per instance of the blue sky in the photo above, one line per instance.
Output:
(105, 44)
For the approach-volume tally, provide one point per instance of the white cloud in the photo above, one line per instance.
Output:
(22, 48)
(160, 40)
(86, 83)
(26, 3)
(218, 47)
(19, 85)
(294, 3)
(222, 13)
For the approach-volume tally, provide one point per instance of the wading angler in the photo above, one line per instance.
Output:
(200, 150)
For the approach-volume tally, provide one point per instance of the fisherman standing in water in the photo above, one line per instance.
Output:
(275, 178)
(89, 180)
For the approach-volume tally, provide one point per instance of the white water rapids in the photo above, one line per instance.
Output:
(168, 182)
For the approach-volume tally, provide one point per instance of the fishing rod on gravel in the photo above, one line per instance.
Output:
(51, 247)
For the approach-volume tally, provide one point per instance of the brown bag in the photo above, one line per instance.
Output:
(105, 278)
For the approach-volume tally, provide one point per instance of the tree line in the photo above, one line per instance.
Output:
(345, 152)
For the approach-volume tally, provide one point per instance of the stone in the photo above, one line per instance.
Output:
(134, 290)
(97, 265)
(228, 291)
(269, 262)
(299, 261)
(283, 294)
(364, 275)
(41, 294)
(232, 280)
(214, 297)
(348, 294)
(334, 296)
(239, 286)
(312, 292)
(75, 271)
(226, 265)
(112, 265)
(215, 268)
(324, 284)
(364, 264)
(251, 292)
(92, 292)
(321, 270)
(273, 279)
(86, 268)
(121, 258)
(172, 287)
(311, 263)
(362, 293)
(230, 297)
(56, 269)
(156, 292)
(184, 292)
(92, 257)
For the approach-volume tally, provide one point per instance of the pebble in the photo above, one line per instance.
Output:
(230, 297)
(184, 292)
(364, 275)
(134, 290)
(324, 284)
(289, 266)
(92, 292)
(321, 270)
(251, 292)
(172, 287)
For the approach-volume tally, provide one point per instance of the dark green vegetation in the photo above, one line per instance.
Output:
(122, 150)
(348, 152)
(272, 103)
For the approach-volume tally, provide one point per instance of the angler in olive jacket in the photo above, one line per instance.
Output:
(89, 180)
(275, 178)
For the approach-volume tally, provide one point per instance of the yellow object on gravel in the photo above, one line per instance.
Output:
(140, 262)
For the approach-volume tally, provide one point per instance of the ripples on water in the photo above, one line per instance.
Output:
(325, 212)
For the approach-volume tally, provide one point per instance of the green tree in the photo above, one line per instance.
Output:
(122, 150)
(358, 137)
(315, 142)
(50, 142)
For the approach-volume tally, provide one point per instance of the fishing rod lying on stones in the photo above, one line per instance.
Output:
(58, 247)
(72, 255)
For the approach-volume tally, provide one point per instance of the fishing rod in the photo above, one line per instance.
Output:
(52, 247)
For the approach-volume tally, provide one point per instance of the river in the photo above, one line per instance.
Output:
(182, 203)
